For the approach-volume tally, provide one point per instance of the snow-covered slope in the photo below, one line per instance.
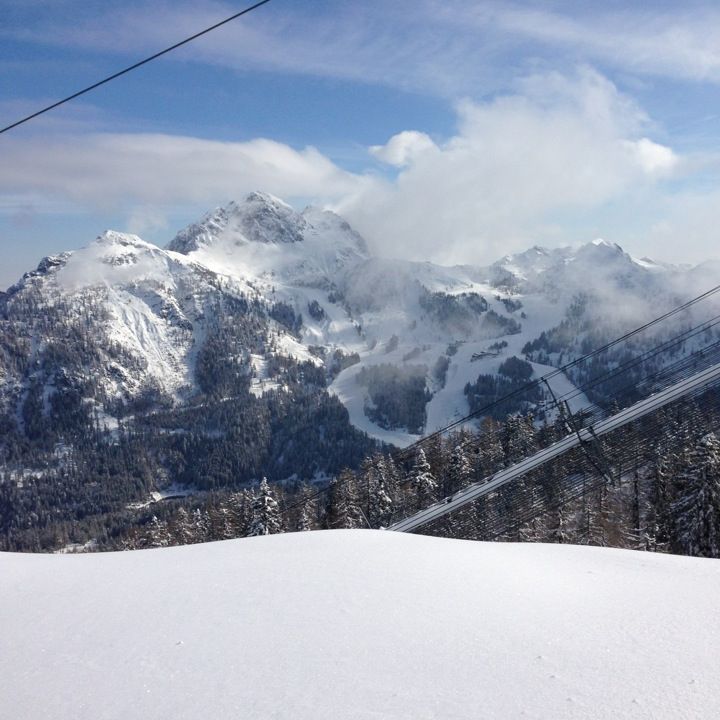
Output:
(359, 624)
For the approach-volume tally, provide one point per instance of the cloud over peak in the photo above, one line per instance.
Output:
(518, 164)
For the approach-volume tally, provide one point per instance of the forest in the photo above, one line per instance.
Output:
(665, 498)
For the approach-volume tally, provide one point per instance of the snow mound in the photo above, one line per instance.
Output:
(359, 624)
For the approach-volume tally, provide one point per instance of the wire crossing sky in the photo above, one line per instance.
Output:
(132, 67)
(489, 126)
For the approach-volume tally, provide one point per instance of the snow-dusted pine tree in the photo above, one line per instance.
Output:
(158, 533)
(696, 511)
(342, 507)
(380, 503)
(182, 529)
(518, 438)
(201, 525)
(240, 507)
(459, 470)
(222, 526)
(490, 455)
(423, 482)
(266, 514)
(304, 522)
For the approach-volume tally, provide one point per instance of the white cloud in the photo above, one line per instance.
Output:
(678, 41)
(403, 148)
(517, 167)
(450, 48)
(143, 170)
(653, 158)
(564, 159)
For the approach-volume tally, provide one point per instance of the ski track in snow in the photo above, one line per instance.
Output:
(354, 625)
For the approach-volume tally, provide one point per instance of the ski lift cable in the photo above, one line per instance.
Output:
(679, 370)
(407, 451)
(134, 66)
(696, 383)
(639, 359)
(570, 488)
(558, 371)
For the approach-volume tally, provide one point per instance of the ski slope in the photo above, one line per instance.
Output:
(359, 625)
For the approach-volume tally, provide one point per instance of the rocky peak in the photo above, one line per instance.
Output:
(259, 218)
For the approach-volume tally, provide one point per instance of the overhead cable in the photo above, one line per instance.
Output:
(135, 65)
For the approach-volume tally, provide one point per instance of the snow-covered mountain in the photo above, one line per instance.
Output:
(136, 317)
(263, 341)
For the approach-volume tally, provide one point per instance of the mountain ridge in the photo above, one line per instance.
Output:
(256, 288)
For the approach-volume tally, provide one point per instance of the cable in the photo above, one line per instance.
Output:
(135, 65)
(674, 372)
(528, 386)
(688, 366)
(403, 453)
(639, 359)
(637, 447)
(499, 513)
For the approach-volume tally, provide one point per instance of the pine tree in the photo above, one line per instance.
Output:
(240, 508)
(158, 533)
(266, 514)
(182, 528)
(696, 510)
(459, 471)
(434, 454)
(304, 523)
(342, 508)
(380, 503)
(518, 438)
(490, 455)
(221, 522)
(423, 482)
(201, 525)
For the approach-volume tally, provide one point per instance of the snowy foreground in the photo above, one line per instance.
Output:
(359, 624)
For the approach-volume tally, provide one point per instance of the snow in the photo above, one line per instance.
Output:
(264, 238)
(259, 384)
(448, 403)
(354, 396)
(349, 625)
(136, 327)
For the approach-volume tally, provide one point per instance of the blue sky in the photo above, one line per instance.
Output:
(449, 130)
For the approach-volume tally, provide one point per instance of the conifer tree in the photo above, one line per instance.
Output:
(182, 529)
(240, 509)
(459, 471)
(222, 526)
(490, 456)
(697, 507)
(342, 507)
(380, 503)
(158, 533)
(266, 513)
(304, 523)
(201, 525)
(423, 482)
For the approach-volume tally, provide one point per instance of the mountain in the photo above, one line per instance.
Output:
(357, 624)
(134, 319)
(266, 341)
